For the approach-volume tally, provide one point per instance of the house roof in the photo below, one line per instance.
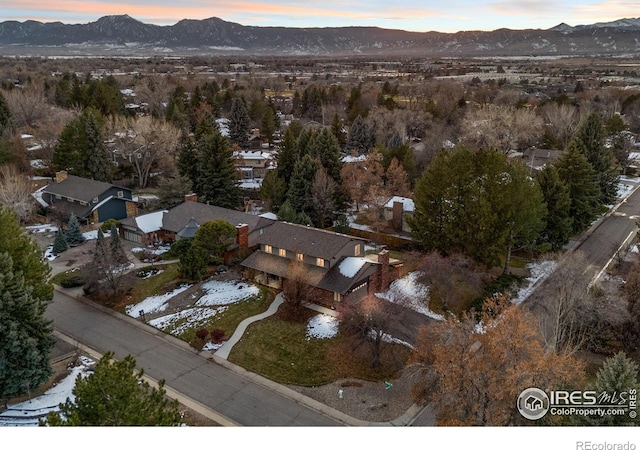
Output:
(178, 217)
(307, 240)
(407, 203)
(80, 188)
(333, 280)
(189, 229)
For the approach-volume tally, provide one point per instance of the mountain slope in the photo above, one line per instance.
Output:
(122, 34)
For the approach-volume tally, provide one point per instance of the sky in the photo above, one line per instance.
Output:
(412, 15)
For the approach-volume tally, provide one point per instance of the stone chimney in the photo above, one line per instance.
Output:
(396, 218)
(383, 260)
(61, 176)
(242, 237)
(191, 197)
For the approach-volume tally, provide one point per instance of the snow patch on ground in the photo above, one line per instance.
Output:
(322, 326)
(27, 413)
(184, 320)
(154, 303)
(225, 293)
(408, 292)
(539, 270)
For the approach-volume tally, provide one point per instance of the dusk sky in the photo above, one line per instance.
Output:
(425, 15)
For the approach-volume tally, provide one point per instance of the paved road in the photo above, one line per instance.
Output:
(232, 395)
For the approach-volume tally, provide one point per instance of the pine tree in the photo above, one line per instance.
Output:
(239, 123)
(555, 194)
(115, 248)
(26, 337)
(97, 163)
(361, 138)
(217, 180)
(287, 155)
(6, 119)
(338, 131)
(325, 147)
(26, 256)
(576, 172)
(299, 194)
(74, 233)
(590, 141)
(115, 394)
(193, 263)
(60, 243)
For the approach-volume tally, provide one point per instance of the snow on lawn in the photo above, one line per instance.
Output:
(28, 412)
(225, 293)
(46, 228)
(155, 303)
(155, 251)
(408, 292)
(184, 320)
(539, 270)
(322, 326)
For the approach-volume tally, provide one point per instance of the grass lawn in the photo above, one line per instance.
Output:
(280, 350)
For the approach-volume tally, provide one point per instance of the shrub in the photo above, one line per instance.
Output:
(107, 224)
(216, 335)
(178, 248)
(72, 281)
(202, 333)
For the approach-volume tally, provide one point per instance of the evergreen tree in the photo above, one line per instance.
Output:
(299, 195)
(116, 395)
(60, 243)
(215, 237)
(325, 147)
(582, 182)
(273, 190)
(361, 138)
(555, 193)
(287, 156)
(338, 131)
(590, 141)
(188, 164)
(98, 166)
(118, 254)
(6, 119)
(26, 337)
(239, 124)
(217, 178)
(26, 256)
(193, 263)
(74, 234)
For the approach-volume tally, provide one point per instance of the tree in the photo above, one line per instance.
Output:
(617, 376)
(556, 196)
(116, 395)
(365, 323)
(74, 234)
(273, 191)
(26, 256)
(561, 122)
(217, 177)
(215, 237)
(361, 138)
(109, 261)
(288, 155)
(7, 124)
(26, 336)
(478, 204)
(60, 243)
(239, 123)
(472, 369)
(15, 192)
(590, 142)
(323, 192)
(581, 180)
(299, 194)
(325, 147)
(193, 262)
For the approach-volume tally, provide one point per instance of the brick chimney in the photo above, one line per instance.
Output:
(383, 260)
(242, 237)
(396, 218)
(61, 176)
(191, 197)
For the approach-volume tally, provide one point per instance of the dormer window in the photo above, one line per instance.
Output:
(95, 199)
(282, 252)
(357, 250)
(300, 257)
(267, 248)
(320, 262)
(120, 194)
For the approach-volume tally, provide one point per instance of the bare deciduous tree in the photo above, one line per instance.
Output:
(15, 192)
(561, 121)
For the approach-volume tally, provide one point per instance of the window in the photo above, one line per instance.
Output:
(267, 248)
(282, 252)
(261, 231)
(357, 251)
(300, 257)
(320, 262)
(120, 194)
(95, 199)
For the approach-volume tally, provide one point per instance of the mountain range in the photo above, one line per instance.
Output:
(124, 35)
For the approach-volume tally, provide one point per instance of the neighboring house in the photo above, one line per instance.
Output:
(333, 264)
(396, 211)
(252, 165)
(144, 229)
(90, 200)
(538, 158)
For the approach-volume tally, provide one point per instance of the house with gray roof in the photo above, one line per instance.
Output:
(90, 200)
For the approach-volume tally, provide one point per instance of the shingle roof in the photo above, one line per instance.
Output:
(307, 240)
(79, 188)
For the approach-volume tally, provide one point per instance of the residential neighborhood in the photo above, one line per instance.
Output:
(252, 240)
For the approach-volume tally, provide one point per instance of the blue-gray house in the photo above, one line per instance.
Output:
(90, 200)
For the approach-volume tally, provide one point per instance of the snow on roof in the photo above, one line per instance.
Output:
(350, 266)
(38, 196)
(407, 203)
(151, 222)
(351, 159)
(269, 215)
